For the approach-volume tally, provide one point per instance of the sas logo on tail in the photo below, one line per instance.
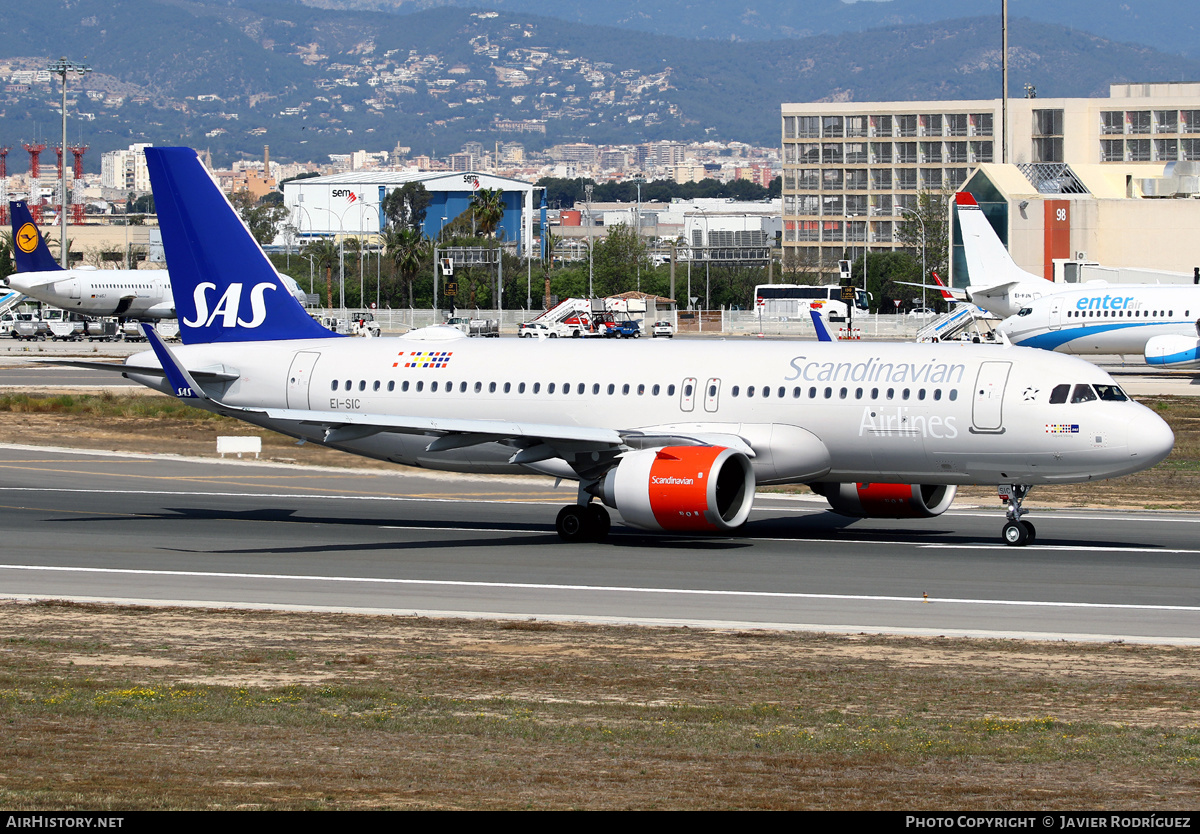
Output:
(228, 306)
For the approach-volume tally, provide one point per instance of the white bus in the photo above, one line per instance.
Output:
(793, 301)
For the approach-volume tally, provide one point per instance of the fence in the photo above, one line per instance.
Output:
(714, 322)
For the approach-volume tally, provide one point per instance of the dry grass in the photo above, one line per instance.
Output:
(130, 708)
(133, 708)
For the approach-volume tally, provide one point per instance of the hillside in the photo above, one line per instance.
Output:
(309, 82)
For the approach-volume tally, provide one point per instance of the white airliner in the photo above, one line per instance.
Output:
(673, 436)
(998, 284)
(125, 293)
(1157, 321)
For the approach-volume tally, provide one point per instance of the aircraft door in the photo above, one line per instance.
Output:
(687, 394)
(299, 376)
(1056, 313)
(987, 403)
(712, 393)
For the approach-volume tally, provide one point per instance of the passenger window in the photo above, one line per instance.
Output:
(750, 391)
(795, 393)
(550, 388)
(391, 385)
(507, 387)
(596, 388)
(625, 389)
(333, 385)
(581, 388)
(348, 384)
(654, 391)
(842, 394)
(432, 386)
(828, 393)
(733, 391)
(642, 389)
(537, 386)
(420, 385)
(404, 385)
(781, 391)
(611, 389)
(671, 390)
(812, 393)
(462, 387)
(478, 387)
(491, 388)
(953, 394)
(1059, 395)
(766, 391)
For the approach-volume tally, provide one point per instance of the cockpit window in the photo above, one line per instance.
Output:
(1111, 393)
(1083, 394)
(1024, 311)
(1059, 395)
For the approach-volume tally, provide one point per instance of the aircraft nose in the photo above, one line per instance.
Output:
(1150, 439)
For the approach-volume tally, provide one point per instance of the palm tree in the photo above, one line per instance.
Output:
(324, 252)
(487, 207)
(406, 248)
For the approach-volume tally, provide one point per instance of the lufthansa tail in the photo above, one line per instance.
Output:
(29, 247)
(225, 288)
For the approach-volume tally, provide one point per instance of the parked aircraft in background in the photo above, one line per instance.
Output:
(673, 436)
(1156, 321)
(124, 293)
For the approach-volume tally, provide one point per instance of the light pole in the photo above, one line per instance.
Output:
(61, 67)
(587, 190)
(638, 229)
(341, 253)
(923, 244)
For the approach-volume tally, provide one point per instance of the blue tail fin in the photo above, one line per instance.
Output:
(823, 334)
(29, 248)
(225, 288)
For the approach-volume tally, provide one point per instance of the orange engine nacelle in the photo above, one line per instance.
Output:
(681, 488)
(888, 500)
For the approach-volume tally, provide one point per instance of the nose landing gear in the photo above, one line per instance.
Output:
(1016, 531)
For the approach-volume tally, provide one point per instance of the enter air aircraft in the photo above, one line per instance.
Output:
(1161, 322)
(125, 293)
(673, 437)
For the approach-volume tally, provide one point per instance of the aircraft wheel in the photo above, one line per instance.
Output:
(1031, 530)
(573, 524)
(600, 522)
(1015, 534)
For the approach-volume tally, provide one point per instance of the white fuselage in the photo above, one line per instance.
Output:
(132, 293)
(129, 293)
(887, 412)
(1106, 319)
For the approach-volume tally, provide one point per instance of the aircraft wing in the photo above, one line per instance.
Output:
(589, 450)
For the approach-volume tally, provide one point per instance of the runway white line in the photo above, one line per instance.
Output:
(533, 586)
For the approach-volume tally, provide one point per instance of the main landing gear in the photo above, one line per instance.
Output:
(583, 523)
(1016, 532)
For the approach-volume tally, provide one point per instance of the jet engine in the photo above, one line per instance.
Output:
(681, 488)
(1173, 351)
(887, 500)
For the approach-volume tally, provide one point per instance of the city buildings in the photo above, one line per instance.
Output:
(852, 170)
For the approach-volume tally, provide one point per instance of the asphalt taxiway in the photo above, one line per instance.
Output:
(165, 530)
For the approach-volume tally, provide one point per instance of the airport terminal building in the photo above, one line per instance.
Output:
(352, 203)
(1098, 179)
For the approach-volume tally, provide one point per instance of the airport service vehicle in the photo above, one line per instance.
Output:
(143, 294)
(676, 444)
(537, 329)
(662, 328)
(623, 329)
(488, 328)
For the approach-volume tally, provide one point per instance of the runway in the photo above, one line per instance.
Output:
(163, 530)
